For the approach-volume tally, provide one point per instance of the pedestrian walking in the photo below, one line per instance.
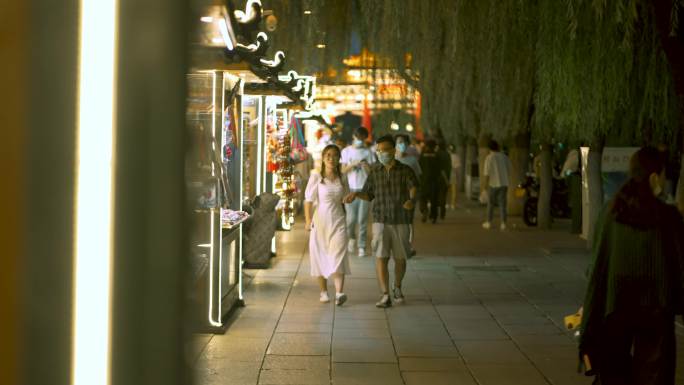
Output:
(392, 186)
(455, 176)
(356, 162)
(403, 144)
(635, 283)
(432, 182)
(325, 219)
(497, 171)
(404, 156)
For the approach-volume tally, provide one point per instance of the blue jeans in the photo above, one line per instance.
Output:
(497, 195)
(357, 214)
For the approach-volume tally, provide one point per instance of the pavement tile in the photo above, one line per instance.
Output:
(300, 344)
(458, 325)
(490, 352)
(314, 363)
(417, 349)
(341, 333)
(475, 311)
(460, 377)
(361, 323)
(507, 375)
(228, 347)
(221, 372)
(476, 329)
(363, 350)
(533, 329)
(366, 374)
(304, 327)
(294, 377)
(430, 364)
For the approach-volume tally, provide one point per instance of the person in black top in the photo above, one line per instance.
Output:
(635, 286)
(433, 181)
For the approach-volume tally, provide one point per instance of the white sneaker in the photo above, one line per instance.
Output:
(385, 301)
(362, 252)
(486, 225)
(503, 227)
(398, 295)
(351, 245)
(324, 297)
(340, 298)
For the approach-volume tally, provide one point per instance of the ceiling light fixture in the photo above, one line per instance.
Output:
(207, 19)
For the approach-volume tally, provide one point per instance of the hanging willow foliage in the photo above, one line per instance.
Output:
(585, 67)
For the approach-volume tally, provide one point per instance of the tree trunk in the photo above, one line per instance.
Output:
(461, 152)
(595, 185)
(673, 45)
(470, 163)
(482, 152)
(545, 189)
(519, 160)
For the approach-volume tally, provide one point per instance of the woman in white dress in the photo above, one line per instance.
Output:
(326, 220)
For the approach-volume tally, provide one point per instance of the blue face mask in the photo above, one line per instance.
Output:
(385, 158)
(401, 147)
(358, 143)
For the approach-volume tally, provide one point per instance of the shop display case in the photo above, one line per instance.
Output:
(213, 176)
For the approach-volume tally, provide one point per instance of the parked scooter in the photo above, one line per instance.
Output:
(529, 190)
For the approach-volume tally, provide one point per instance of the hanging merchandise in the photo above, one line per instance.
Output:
(298, 153)
(273, 131)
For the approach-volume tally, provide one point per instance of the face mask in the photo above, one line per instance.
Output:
(358, 143)
(385, 158)
(401, 147)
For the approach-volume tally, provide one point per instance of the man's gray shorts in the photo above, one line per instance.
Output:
(391, 240)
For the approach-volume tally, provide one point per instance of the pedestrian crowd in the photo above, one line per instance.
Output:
(635, 278)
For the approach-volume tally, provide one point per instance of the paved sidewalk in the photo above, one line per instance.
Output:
(482, 307)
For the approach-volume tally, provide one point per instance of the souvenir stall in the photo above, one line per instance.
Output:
(218, 165)
(269, 146)
(226, 175)
(275, 143)
(213, 179)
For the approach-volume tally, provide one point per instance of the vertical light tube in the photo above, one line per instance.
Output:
(212, 321)
(260, 145)
(94, 193)
(212, 256)
(241, 127)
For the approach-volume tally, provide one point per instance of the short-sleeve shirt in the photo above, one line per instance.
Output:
(357, 176)
(389, 190)
(498, 168)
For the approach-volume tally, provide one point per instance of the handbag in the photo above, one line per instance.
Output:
(298, 152)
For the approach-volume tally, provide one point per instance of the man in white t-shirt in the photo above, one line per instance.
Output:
(356, 161)
(497, 171)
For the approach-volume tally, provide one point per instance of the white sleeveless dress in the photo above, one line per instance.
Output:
(328, 238)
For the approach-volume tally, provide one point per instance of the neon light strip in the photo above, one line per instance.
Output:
(212, 320)
(211, 270)
(242, 163)
(94, 193)
(260, 145)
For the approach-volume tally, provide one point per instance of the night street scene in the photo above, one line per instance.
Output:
(342, 192)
